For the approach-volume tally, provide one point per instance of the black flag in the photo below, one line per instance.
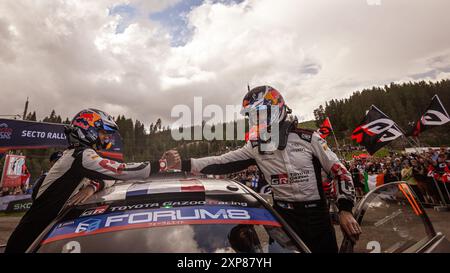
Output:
(434, 116)
(376, 130)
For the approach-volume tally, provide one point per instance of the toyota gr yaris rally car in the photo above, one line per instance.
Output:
(173, 215)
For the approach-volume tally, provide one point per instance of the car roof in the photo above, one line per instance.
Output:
(167, 185)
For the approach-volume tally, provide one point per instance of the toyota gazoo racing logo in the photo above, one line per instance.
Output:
(5, 132)
(433, 117)
(382, 126)
(279, 179)
(291, 178)
(95, 211)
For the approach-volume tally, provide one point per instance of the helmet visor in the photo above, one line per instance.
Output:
(262, 115)
(108, 129)
(106, 139)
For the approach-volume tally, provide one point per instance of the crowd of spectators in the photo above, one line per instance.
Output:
(19, 190)
(423, 171)
(250, 177)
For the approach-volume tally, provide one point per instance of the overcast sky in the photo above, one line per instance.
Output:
(140, 58)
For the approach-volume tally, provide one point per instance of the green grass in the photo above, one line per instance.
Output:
(311, 124)
(383, 152)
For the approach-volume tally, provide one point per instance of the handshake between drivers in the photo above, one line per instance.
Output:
(172, 160)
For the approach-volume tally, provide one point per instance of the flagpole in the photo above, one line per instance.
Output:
(410, 143)
(418, 141)
(440, 102)
(417, 144)
(335, 140)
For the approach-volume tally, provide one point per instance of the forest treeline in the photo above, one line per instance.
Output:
(404, 103)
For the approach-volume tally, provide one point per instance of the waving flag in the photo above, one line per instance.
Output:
(325, 129)
(376, 130)
(372, 181)
(434, 116)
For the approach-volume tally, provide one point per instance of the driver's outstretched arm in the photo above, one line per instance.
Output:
(95, 167)
(230, 162)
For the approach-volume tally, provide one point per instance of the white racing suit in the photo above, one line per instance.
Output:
(294, 172)
(63, 180)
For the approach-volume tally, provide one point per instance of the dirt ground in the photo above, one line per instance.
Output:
(440, 220)
(7, 225)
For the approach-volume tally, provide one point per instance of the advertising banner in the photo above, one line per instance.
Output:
(13, 171)
(19, 205)
(22, 134)
(19, 134)
(5, 200)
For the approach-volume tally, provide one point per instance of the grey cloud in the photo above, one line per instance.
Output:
(434, 67)
(68, 56)
(310, 68)
(7, 54)
(427, 74)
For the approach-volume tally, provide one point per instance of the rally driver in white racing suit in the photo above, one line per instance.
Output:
(91, 130)
(293, 169)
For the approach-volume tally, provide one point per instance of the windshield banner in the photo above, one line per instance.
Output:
(196, 215)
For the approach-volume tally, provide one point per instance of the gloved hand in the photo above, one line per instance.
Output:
(173, 159)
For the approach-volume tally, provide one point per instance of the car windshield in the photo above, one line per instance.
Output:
(392, 221)
(200, 227)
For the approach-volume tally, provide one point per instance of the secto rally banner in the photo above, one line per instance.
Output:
(21, 134)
